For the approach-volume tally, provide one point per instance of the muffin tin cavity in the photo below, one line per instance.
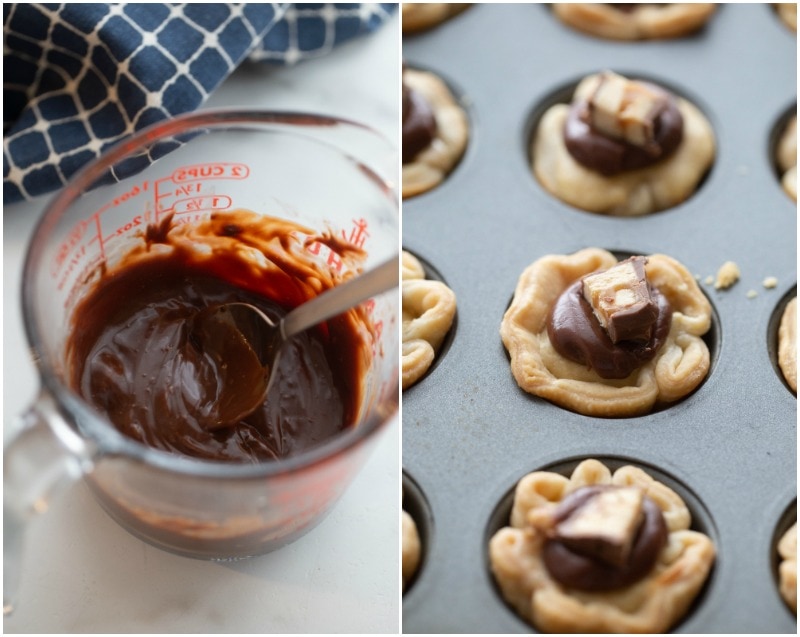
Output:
(635, 22)
(432, 274)
(784, 523)
(434, 165)
(702, 520)
(416, 505)
(772, 334)
(778, 148)
(786, 12)
(564, 95)
(520, 316)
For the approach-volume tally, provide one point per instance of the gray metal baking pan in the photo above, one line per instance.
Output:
(469, 433)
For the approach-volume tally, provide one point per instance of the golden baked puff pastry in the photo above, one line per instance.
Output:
(429, 308)
(635, 21)
(420, 16)
(786, 157)
(622, 147)
(435, 131)
(787, 11)
(599, 552)
(787, 344)
(411, 549)
(787, 568)
(650, 351)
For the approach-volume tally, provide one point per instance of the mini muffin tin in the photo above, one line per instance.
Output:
(470, 433)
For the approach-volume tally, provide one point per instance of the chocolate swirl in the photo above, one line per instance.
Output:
(577, 335)
(419, 124)
(586, 573)
(609, 156)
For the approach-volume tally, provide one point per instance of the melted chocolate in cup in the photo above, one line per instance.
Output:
(132, 357)
(609, 156)
(577, 335)
(419, 124)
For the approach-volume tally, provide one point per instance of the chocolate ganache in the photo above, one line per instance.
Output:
(587, 572)
(419, 123)
(576, 334)
(610, 156)
(132, 356)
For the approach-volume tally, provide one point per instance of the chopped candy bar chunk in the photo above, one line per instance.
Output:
(621, 301)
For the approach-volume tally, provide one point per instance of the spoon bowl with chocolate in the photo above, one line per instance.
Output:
(243, 344)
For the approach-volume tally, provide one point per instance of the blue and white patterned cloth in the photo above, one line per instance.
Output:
(77, 78)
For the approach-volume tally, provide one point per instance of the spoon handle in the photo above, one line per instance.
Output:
(342, 297)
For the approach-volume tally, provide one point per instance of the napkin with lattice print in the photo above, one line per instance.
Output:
(77, 78)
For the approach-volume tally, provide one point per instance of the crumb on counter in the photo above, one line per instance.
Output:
(751, 294)
(770, 282)
(727, 275)
(709, 280)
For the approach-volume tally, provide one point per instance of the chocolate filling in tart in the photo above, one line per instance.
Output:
(629, 340)
(596, 563)
(608, 155)
(419, 124)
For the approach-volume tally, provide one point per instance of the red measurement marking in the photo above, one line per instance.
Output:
(73, 238)
(73, 241)
(358, 234)
(369, 307)
(378, 327)
(100, 241)
(190, 217)
(335, 261)
(136, 222)
(197, 204)
(84, 272)
(183, 190)
(211, 171)
(188, 189)
(357, 237)
(160, 192)
(76, 234)
(133, 192)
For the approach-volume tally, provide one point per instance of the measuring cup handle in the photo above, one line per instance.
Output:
(43, 457)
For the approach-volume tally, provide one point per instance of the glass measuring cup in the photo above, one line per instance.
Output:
(321, 172)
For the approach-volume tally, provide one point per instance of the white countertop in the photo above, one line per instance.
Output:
(85, 574)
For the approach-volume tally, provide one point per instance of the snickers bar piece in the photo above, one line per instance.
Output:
(626, 110)
(621, 301)
(604, 526)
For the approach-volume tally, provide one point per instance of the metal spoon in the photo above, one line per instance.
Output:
(244, 343)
